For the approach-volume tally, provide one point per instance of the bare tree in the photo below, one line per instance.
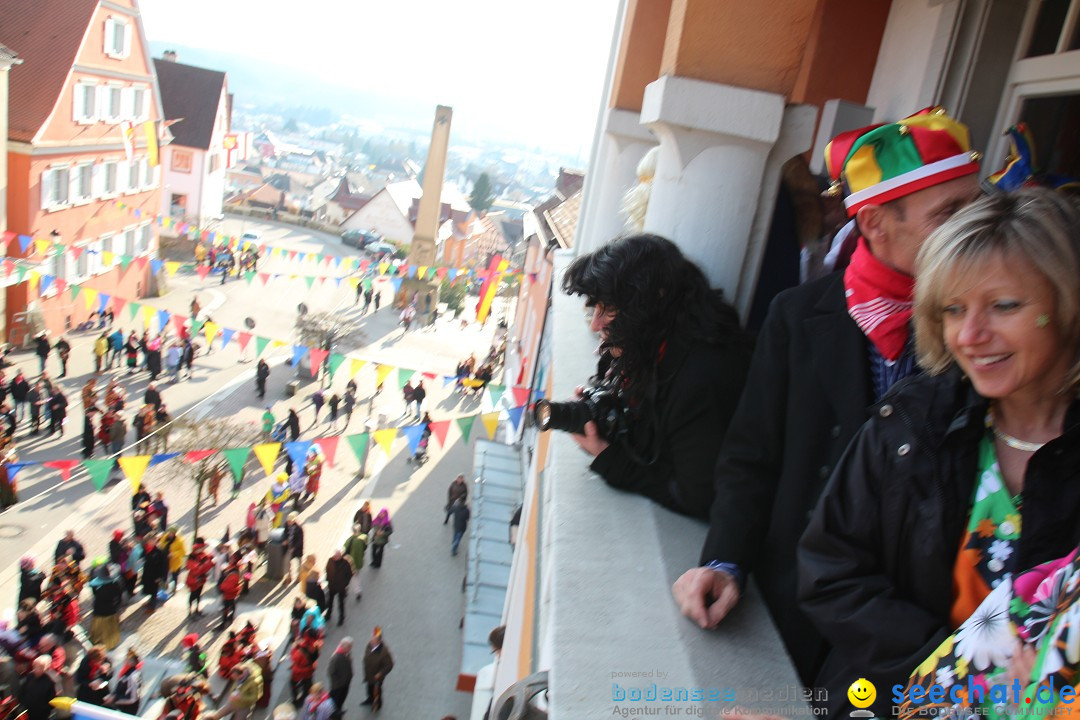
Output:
(188, 434)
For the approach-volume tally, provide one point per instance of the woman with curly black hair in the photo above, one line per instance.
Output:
(674, 351)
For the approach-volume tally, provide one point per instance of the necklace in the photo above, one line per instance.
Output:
(1013, 442)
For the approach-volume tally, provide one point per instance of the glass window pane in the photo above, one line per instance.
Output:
(1048, 27)
(1052, 122)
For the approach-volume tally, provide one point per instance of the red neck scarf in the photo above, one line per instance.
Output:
(879, 300)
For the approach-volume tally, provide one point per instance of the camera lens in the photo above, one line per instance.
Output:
(566, 416)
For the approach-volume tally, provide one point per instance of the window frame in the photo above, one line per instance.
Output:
(109, 40)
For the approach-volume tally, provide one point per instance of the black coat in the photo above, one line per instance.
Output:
(155, 568)
(107, 598)
(35, 693)
(30, 584)
(294, 539)
(58, 406)
(461, 516)
(698, 388)
(807, 394)
(876, 563)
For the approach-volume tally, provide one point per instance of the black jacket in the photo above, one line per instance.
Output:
(698, 387)
(35, 693)
(876, 562)
(807, 394)
(294, 539)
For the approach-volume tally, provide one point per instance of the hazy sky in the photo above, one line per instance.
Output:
(536, 65)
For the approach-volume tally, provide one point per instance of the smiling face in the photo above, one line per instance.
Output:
(862, 693)
(998, 323)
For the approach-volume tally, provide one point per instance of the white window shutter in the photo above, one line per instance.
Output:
(78, 103)
(127, 104)
(46, 189)
(108, 49)
(97, 180)
(156, 181)
(73, 183)
(127, 39)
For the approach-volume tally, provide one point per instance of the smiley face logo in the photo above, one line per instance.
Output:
(862, 693)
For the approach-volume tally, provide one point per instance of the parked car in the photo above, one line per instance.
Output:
(250, 237)
(379, 248)
(359, 238)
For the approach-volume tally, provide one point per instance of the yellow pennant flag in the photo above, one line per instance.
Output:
(491, 423)
(278, 343)
(107, 258)
(134, 466)
(148, 314)
(32, 281)
(381, 371)
(172, 267)
(43, 247)
(150, 132)
(211, 330)
(267, 454)
(421, 272)
(383, 267)
(89, 297)
(354, 281)
(385, 439)
(355, 365)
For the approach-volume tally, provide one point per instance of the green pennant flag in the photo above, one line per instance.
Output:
(99, 471)
(196, 326)
(75, 290)
(359, 445)
(403, 375)
(496, 393)
(237, 457)
(249, 276)
(310, 280)
(134, 309)
(125, 260)
(260, 345)
(466, 424)
(21, 271)
(336, 359)
(367, 284)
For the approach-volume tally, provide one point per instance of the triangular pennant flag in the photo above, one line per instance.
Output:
(195, 456)
(118, 304)
(210, 329)
(24, 242)
(298, 450)
(155, 266)
(309, 280)
(429, 375)
(172, 267)
(43, 247)
(381, 371)
(46, 283)
(317, 358)
(64, 466)
(13, 468)
(491, 423)
(412, 271)
(75, 290)
(267, 454)
(163, 320)
(465, 424)
(249, 275)
(447, 379)
(355, 365)
(422, 272)
(148, 315)
(103, 301)
(89, 297)
(125, 261)
(495, 392)
(197, 326)
(99, 471)
(403, 376)
(385, 439)
(107, 258)
(203, 271)
(452, 274)
(178, 321)
(226, 336)
(440, 273)
(521, 395)
(397, 285)
(383, 267)
(298, 353)
(336, 360)
(414, 433)
(162, 457)
(134, 466)
(243, 338)
(358, 444)
(265, 277)
(515, 415)
(236, 458)
(133, 309)
(328, 445)
(439, 430)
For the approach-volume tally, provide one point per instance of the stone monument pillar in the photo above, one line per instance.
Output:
(425, 234)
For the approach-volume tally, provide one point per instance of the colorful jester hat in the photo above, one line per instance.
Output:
(880, 163)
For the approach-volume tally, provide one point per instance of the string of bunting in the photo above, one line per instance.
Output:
(135, 466)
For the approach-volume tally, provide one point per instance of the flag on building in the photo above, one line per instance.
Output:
(151, 132)
(490, 286)
(127, 134)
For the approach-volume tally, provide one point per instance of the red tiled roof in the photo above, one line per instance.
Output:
(191, 93)
(344, 196)
(46, 35)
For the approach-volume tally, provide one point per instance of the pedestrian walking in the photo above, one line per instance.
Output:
(378, 662)
(332, 405)
(19, 388)
(152, 396)
(339, 672)
(294, 544)
(199, 567)
(127, 695)
(63, 351)
(378, 300)
(304, 657)
(174, 361)
(348, 404)
(229, 585)
(35, 401)
(131, 352)
(155, 571)
(93, 676)
(101, 347)
(174, 546)
(317, 401)
(458, 490)
(116, 346)
(108, 593)
(38, 689)
(339, 572)
(461, 514)
(117, 434)
(262, 372)
(363, 518)
(381, 529)
(153, 358)
(41, 349)
(318, 705)
(407, 395)
(88, 433)
(367, 299)
(57, 411)
(294, 425)
(419, 395)
(313, 589)
(355, 549)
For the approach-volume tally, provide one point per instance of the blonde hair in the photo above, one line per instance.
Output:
(1036, 226)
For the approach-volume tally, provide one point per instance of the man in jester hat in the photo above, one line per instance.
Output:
(276, 497)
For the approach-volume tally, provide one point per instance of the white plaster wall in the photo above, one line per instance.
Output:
(189, 184)
(382, 216)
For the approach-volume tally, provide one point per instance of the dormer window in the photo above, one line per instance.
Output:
(117, 38)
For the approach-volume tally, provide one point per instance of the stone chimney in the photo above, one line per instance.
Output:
(169, 55)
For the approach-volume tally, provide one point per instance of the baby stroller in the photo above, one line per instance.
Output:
(421, 455)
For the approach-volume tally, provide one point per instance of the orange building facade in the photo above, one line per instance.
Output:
(86, 201)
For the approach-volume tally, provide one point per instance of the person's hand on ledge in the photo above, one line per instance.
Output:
(591, 442)
(694, 590)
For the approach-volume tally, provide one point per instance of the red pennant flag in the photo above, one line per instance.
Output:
(197, 455)
(521, 396)
(243, 338)
(178, 321)
(365, 264)
(441, 273)
(438, 429)
(140, 262)
(203, 271)
(64, 466)
(292, 254)
(76, 251)
(61, 285)
(328, 445)
(117, 303)
(429, 375)
(9, 267)
(317, 358)
(265, 277)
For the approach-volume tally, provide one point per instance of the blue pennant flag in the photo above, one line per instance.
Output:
(138, 213)
(397, 285)
(538, 394)
(24, 242)
(300, 256)
(298, 353)
(337, 261)
(162, 319)
(412, 271)
(46, 283)
(156, 265)
(515, 416)
(414, 433)
(298, 451)
(337, 282)
(161, 457)
(447, 379)
(226, 336)
(15, 467)
(451, 274)
(103, 300)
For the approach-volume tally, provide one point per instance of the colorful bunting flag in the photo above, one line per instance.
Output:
(99, 472)
(439, 430)
(298, 451)
(465, 425)
(317, 358)
(267, 453)
(328, 445)
(385, 439)
(134, 466)
(414, 433)
(358, 444)
(491, 423)
(64, 466)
